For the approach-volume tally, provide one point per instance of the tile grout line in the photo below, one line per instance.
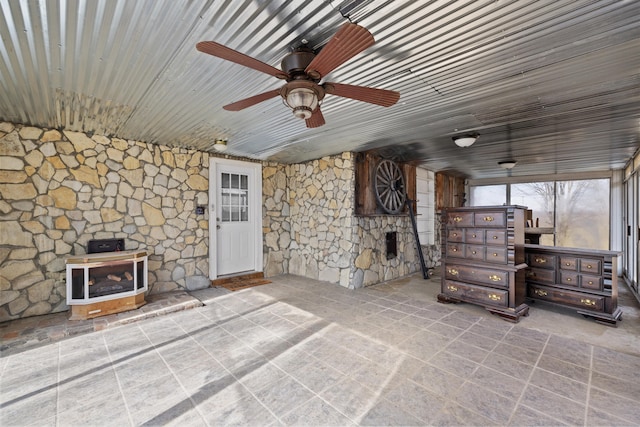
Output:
(57, 414)
(588, 399)
(237, 379)
(124, 398)
(170, 370)
(528, 383)
(466, 380)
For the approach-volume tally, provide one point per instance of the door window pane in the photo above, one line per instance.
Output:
(488, 195)
(234, 197)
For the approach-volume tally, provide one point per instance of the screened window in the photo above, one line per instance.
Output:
(575, 212)
(582, 214)
(539, 197)
(488, 195)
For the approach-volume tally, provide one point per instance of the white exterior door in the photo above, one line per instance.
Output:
(235, 218)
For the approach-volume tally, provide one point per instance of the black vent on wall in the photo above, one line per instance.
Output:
(105, 245)
(391, 239)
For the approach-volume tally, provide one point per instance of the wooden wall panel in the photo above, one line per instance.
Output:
(365, 164)
(449, 191)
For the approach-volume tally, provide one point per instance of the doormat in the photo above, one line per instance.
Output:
(238, 283)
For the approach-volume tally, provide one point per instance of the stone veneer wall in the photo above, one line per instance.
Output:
(276, 224)
(321, 197)
(58, 190)
(372, 265)
(311, 230)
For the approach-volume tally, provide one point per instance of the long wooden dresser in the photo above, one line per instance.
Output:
(585, 279)
(483, 259)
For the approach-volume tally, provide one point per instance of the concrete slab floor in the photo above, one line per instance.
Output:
(303, 352)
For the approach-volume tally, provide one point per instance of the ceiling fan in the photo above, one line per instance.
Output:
(303, 70)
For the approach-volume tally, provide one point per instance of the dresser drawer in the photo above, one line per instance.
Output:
(569, 263)
(541, 275)
(466, 291)
(541, 260)
(467, 273)
(568, 278)
(455, 235)
(474, 236)
(455, 250)
(496, 237)
(561, 296)
(590, 266)
(591, 282)
(496, 255)
(490, 219)
(460, 219)
(475, 252)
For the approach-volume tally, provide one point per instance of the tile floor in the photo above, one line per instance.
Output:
(303, 352)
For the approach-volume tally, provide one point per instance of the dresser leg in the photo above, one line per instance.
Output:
(446, 299)
(510, 315)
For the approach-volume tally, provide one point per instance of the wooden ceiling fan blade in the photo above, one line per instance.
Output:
(223, 52)
(350, 40)
(382, 97)
(252, 100)
(316, 120)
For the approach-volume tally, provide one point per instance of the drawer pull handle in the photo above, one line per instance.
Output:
(474, 252)
(541, 260)
(568, 279)
(587, 301)
(589, 266)
(474, 236)
(488, 218)
(540, 292)
(567, 264)
(495, 254)
(452, 271)
(457, 218)
(494, 297)
(454, 249)
(591, 282)
(495, 237)
(454, 234)
(495, 278)
(452, 288)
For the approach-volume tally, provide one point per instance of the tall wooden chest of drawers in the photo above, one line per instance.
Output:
(585, 279)
(483, 259)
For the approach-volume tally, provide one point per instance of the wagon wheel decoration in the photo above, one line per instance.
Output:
(389, 185)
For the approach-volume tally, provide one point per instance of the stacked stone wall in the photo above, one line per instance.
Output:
(60, 189)
(311, 229)
(371, 264)
(276, 224)
(321, 199)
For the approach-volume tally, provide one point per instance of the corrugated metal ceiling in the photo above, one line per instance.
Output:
(554, 84)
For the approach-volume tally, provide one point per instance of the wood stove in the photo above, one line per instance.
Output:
(106, 283)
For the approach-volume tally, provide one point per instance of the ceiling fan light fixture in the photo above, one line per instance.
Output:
(465, 140)
(303, 101)
(507, 164)
(220, 145)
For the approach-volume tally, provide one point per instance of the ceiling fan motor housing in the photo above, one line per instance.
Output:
(295, 63)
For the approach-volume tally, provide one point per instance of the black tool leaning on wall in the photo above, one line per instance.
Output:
(426, 272)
